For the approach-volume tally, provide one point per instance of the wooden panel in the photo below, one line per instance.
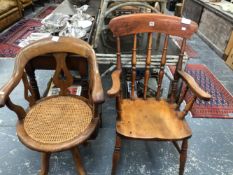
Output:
(230, 59)
(216, 29)
(192, 10)
(229, 46)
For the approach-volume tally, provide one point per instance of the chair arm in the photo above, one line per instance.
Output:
(116, 83)
(97, 92)
(8, 88)
(195, 88)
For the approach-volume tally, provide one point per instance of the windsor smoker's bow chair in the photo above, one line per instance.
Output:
(153, 118)
(59, 122)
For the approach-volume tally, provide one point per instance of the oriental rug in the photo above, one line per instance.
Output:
(45, 12)
(221, 103)
(10, 39)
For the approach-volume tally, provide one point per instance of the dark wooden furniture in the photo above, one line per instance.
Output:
(215, 25)
(27, 3)
(10, 12)
(59, 122)
(153, 118)
(72, 62)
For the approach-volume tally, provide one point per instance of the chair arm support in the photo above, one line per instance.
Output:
(116, 83)
(195, 88)
(8, 88)
(97, 92)
(3, 98)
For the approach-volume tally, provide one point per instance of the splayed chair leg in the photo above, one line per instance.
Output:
(116, 154)
(183, 156)
(44, 163)
(77, 160)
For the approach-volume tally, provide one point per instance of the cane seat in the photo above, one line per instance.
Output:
(57, 119)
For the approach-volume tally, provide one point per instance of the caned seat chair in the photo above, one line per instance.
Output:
(153, 118)
(59, 122)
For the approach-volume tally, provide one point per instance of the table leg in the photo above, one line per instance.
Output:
(32, 80)
(100, 23)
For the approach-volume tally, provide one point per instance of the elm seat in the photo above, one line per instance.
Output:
(58, 119)
(160, 124)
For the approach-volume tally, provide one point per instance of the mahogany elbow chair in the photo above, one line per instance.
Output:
(60, 122)
(153, 118)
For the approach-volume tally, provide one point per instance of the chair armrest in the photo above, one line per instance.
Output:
(195, 88)
(116, 83)
(7, 88)
(97, 92)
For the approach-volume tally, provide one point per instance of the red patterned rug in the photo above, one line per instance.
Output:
(189, 50)
(10, 39)
(221, 104)
(45, 12)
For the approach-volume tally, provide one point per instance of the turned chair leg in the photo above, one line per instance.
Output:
(116, 154)
(183, 156)
(77, 160)
(44, 163)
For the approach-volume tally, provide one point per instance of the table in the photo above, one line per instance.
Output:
(74, 62)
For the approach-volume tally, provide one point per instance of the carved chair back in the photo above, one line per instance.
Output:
(62, 77)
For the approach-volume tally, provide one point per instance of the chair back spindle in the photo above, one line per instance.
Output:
(147, 66)
(181, 55)
(152, 23)
(162, 65)
(134, 61)
(118, 53)
(176, 76)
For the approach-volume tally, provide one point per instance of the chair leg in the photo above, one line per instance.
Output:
(44, 163)
(77, 160)
(183, 156)
(116, 154)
